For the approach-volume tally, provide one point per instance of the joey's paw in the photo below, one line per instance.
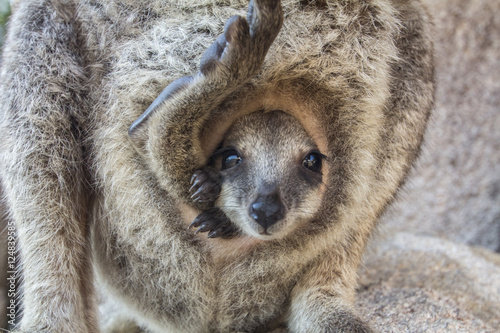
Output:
(205, 188)
(241, 49)
(216, 223)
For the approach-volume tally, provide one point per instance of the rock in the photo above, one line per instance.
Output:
(455, 191)
(412, 283)
(422, 277)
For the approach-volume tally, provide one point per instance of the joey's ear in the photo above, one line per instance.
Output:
(138, 131)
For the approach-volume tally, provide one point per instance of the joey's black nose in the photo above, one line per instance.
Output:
(267, 209)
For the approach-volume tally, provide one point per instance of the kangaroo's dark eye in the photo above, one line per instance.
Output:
(313, 162)
(230, 159)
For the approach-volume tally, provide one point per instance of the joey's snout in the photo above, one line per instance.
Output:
(267, 209)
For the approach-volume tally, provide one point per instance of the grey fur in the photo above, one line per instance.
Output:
(357, 75)
(273, 146)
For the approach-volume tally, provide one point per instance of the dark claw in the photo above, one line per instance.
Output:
(214, 234)
(216, 223)
(225, 232)
(206, 192)
(193, 224)
(198, 178)
(196, 195)
(205, 187)
(204, 228)
(217, 233)
(204, 216)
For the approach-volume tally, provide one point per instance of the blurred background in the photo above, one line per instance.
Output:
(454, 191)
(4, 14)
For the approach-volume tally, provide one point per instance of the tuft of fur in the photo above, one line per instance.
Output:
(90, 202)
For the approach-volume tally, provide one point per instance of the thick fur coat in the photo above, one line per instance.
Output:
(91, 203)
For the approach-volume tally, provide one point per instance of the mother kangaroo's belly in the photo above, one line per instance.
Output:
(196, 284)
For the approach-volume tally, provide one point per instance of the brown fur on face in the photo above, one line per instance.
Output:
(90, 201)
(273, 146)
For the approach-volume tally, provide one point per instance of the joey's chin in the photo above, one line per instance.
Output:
(277, 231)
(264, 235)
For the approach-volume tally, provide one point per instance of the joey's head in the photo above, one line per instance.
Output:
(272, 175)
